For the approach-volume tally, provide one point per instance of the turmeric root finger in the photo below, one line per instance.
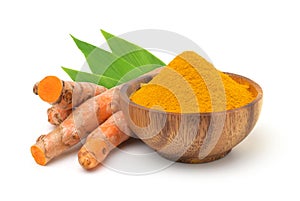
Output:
(56, 115)
(66, 94)
(49, 89)
(77, 126)
(102, 140)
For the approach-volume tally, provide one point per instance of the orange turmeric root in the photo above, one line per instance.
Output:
(102, 140)
(66, 94)
(56, 115)
(86, 118)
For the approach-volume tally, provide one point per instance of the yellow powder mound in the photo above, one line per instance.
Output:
(190, 84)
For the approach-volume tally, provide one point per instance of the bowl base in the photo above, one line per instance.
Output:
(204, 160)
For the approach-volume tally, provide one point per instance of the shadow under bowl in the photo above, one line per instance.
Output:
(191, 137)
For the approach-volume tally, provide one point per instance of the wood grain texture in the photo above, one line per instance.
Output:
(191, 137)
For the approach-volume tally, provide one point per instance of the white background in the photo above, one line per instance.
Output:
(257, 39)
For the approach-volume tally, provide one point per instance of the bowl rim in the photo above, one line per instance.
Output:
(125, 97)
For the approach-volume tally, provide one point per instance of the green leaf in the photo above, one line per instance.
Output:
(132, 53)
(105, 63)
(80, 76)
(127, 61)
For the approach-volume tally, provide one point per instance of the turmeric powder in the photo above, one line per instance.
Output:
(190, 84)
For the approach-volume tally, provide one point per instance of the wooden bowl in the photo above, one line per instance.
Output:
(191, 137)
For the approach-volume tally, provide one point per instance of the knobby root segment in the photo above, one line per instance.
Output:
(56, 115)
(102, 140)
(66, 94)
(86, 118)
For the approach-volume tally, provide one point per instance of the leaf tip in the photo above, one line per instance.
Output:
(106, 34)
(67, 70)
(74, 38)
